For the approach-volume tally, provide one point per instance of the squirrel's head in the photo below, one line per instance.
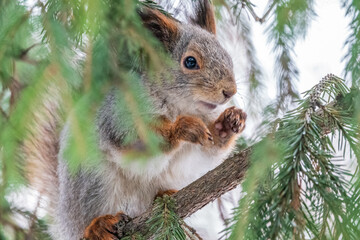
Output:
(204, 70)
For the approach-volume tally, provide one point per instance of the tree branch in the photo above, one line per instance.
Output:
(206, 189)
(201, 192)
(248, 5)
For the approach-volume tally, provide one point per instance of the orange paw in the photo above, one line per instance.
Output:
(230, 122)
(192, 130)
(167, 192)
(105, 227)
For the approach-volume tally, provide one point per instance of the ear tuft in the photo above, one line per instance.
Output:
(163, 27)
(204, 16)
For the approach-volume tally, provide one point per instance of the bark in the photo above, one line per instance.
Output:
(201, 192)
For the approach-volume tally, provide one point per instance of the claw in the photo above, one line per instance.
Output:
(210, 137)
(228, 114)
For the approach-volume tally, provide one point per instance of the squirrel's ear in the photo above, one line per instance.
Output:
(163, 27)
(205, 16)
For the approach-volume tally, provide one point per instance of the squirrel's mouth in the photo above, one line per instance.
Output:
(208, 105)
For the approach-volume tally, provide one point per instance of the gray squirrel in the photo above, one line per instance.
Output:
(195, 121)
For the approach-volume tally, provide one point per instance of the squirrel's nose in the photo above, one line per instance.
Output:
(229, 93)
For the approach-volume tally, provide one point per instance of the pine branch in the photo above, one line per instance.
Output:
(293, 203)
(290, 22)
(165, 224)
(249, 6)
(255, 86)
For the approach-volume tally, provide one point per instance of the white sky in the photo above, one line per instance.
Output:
(318, 54)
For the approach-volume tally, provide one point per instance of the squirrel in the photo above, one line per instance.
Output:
(194, 119)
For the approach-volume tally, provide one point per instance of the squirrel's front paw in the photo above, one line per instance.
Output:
(230, 122)
(106, 227)
(192, 130)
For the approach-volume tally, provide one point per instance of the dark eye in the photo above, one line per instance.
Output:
(190, 63)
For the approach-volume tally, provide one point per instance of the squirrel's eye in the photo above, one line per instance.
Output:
(190, 63)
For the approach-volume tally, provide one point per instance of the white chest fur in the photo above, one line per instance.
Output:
(190, 163)
(132, 186)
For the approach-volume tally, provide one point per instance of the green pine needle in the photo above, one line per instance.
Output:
(307, 194)
(164, 223)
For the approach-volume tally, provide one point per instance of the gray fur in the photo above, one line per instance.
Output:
(113, 185)
(173, 91)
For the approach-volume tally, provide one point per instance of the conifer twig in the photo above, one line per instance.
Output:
(191, 231)
(262, 19)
